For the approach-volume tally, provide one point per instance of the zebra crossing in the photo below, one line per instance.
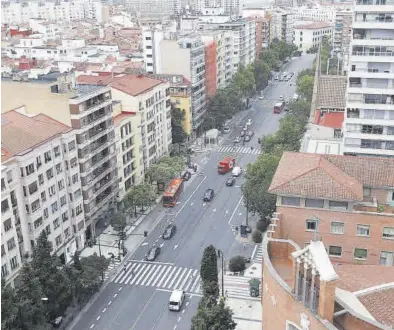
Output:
(240, 150)
(237, 287)
(113, 265)
(160, 275)
(258, 254)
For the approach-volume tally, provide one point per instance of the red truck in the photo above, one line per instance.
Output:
(226, 165)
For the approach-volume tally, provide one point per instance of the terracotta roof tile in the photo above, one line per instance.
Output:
(331, 92)
(326, 176)
(329, 119)
(131, 84)
(20, 133)
(380, 304)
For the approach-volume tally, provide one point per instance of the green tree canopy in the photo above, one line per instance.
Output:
(142, 195)
(305, 87)
(213, 317)
(209, 267)
(177, 118)
(166, 169)
(118, 221)
(244, 80)
(258, 179)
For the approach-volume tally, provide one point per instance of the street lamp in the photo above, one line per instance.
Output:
(221, 255)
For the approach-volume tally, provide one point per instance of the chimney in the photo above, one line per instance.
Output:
(327, 300)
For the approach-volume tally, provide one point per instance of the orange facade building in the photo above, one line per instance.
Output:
(210, 68)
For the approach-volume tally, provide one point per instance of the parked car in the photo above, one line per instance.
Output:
(250, 133)
(242, 133)
(261, 97)
(247, 138)
(281, 98)
(236, 171)
(153, 253)
(249, 122)
(237, 139)
(230, 181)
(226, 130)
(169, 232)
(208, 195)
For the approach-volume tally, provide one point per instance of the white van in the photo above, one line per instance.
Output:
(176, 300)
(236, 171)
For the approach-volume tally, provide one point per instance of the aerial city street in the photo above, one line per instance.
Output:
(197, 164)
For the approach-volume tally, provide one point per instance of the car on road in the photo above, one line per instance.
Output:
(237, 139)
(281, 98)
(245, 128)
(261, 97)
(250, 133)
(247, 138)
(169, 232)
(276, 77)
(249, 122)
(208, 195)
(153, 253)
(230, 181)
(242, 133)
(226, 130)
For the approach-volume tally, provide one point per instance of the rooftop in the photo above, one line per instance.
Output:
(330, 176)
(119, 118)
(329, 119)
(313, 26)
(19, 133)
(331, 92)
(131, 84)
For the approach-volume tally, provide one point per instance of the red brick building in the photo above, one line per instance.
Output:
(210, 68)
(303, 290)
(347, 202)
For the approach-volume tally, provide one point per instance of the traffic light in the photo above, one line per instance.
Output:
(145, 234)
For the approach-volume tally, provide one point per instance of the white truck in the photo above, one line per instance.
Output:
(236, 171)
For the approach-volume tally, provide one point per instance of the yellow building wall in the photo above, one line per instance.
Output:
(184, 103)
(37, 98)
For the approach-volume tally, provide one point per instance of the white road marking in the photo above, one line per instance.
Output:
(120, 289)
(183, 311)
(115, 295)
(164, 276)
(91, 327)
(214, 210)
(155, 276)
(145, 243)
(103, 311)
(179, 318)
(147, 276)
(226, 211)
(203, 204)
(143, 310)
(175, 326)
(161, 245)
(187, 303)
(175, 277)
(98, 318)
(110, 302)
(235, 210)
(176, 286)
(175, 246)
(240, 213)
(187, 201)
(156, 240)
(192, 203)
(170, 275)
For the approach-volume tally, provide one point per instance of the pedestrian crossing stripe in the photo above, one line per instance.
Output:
(240, 150)
(258, 254)
(112, 265)
(238, 287)
(160, 275)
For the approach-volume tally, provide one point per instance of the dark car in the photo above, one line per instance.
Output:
(152, 253)
(208, 195)
(169, 232)
(230, 181)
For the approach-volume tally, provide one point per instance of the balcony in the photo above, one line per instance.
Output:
(371, 73)
(90, 119)
(374, 2)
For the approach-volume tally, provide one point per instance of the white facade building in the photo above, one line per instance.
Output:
(43, 183)
(369, 120)
(282, 24)
(311, 34)
(316, 14)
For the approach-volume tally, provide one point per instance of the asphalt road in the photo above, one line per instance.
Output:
(138, 297)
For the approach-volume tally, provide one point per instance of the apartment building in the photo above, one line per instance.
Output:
(342, 35)
(210, 67)
(228, 7)
(180, 96)
(281, 26)
(153, 7)
(258, 15)
(149, 99)
(42, 189)
(315, 14)
(347, 202)
(369, 121)
(151, 38)
(186, 56)
(87, 109)
(307, 36)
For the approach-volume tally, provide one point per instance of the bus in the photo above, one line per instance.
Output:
(278, 107)
(172, 192)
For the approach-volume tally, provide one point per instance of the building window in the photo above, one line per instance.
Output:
(67, 233)
(46, 213)
(40, 179)
(52, 190)
(58, 240)
(54, 207)
(335, 251)
(35, 205)
(56, 223)
(49, 174)
(7, 225)
(33, 187)
(43, 196)
(71, 145)
(386, 258)
(337, 227)
(58, 168)
(316, 203)
(56, 151)
(4, 206)
(63, 201)
(73, 162)
(11, 244)
(4, 271)
(360, 253)
(363, 230)
(335, 205)
(78, 209)
(388, 232)
(2, 250)
(311, 225)
(65, 216)
(29, 169)
(47, 157)
(60, 184)
(75, 178)
(291, 201)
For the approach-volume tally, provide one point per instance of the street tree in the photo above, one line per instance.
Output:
(305, 87)
(262, 74)
(244, 80)
(213, 317)
(142, 195)
(209, 266)
(166, 169)
(9, 306)
(237, 264)
(118, 221)
(211, 291)
(177, 119)
(258, 179)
